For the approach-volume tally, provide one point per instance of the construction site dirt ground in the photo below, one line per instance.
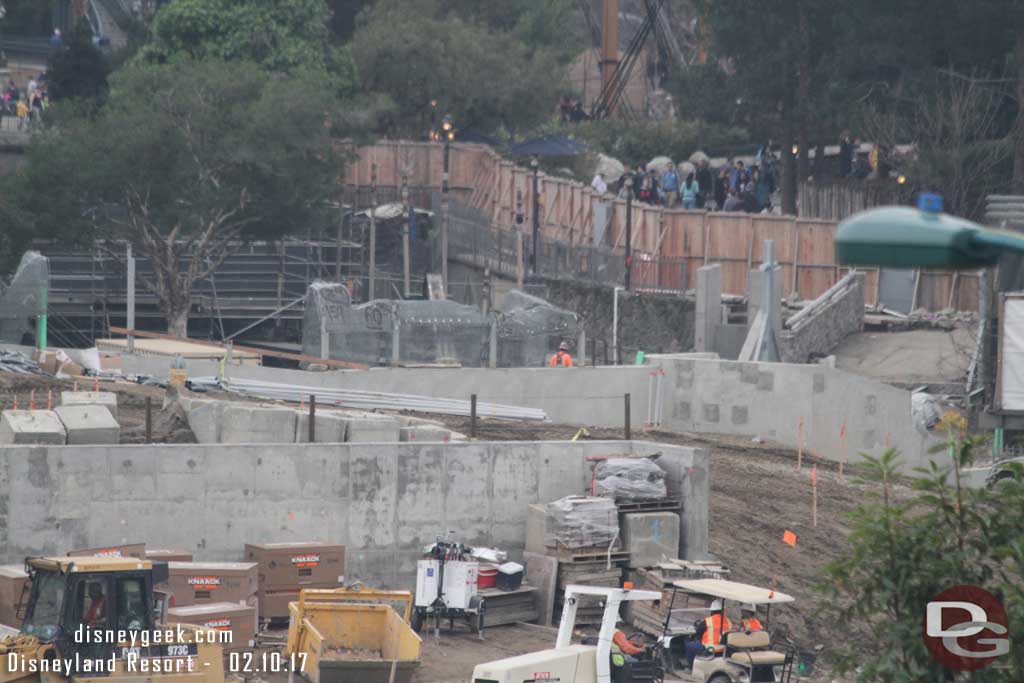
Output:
(756, 494)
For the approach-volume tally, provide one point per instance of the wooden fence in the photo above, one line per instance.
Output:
(803, 247)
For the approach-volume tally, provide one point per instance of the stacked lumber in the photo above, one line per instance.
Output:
(503, 607)
(652, 617)
(589, 570)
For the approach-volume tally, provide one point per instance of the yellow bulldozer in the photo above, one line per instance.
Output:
(98, 619)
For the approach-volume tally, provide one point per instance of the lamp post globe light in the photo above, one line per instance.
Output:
(447, 134)
(903, 237)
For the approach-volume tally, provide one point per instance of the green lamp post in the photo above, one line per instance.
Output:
(902, 237)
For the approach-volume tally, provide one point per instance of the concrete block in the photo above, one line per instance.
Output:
(204, 418)
(106, 399)
(331, 427)
(31, 427)
(370, 428)
(424, 432)
(650, 537)
(89, 425)
(244, 423)
(535, 528)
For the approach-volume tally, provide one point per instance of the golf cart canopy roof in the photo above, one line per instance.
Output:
(731, 590)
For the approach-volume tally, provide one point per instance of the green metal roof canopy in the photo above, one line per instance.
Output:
(901, 237)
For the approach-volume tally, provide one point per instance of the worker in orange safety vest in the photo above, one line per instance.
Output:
(749, 620)
(710, 631)
(562, 357)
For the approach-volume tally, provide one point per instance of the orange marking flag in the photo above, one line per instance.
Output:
(789, 538)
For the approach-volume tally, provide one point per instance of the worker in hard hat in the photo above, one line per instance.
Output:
(622, 647)
(749, 620)
(562, 357)
(708, 636)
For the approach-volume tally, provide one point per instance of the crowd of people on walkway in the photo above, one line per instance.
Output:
(732, 187)
(28, 104)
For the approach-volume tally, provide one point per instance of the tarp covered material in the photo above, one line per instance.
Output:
(580, 522)
(20, 300)
(548, 146)
(1011, 378)
(629, 479)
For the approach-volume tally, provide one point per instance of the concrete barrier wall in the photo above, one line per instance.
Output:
(580, 395)
(769, 399)
(383, 501)
(700, 395)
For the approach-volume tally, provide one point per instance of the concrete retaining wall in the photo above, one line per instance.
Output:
(383, 501)
(769, 399)
(581, 395)
(700, 395)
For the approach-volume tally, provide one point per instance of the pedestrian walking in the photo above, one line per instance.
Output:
(691, 188)
(670, 185)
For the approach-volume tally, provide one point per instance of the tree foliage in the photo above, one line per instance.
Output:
(185, 161)
(901, 553)
(803, 71)
(278, 35)
(484, 79)
(78, 69)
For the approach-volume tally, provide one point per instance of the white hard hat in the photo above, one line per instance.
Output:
(716, 606)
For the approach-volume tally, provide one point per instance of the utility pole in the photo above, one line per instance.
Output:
(448, 132)
(406, 229)
(629, 229)
(536, 214)
(609, 42)
(373, 231)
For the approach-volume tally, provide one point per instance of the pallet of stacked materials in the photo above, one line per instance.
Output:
(509, 607)
(651, 618)
(581, 525)
(588, 572)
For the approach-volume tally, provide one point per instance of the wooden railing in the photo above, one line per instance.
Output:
(804, 247)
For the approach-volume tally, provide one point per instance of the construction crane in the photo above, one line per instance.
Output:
(615, 73)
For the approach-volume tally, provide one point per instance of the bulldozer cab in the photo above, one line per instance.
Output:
(74, 600)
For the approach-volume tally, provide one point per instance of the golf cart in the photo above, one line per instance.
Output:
(592, 661)
(745, 657)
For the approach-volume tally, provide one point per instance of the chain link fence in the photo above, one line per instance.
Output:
(475, 240)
